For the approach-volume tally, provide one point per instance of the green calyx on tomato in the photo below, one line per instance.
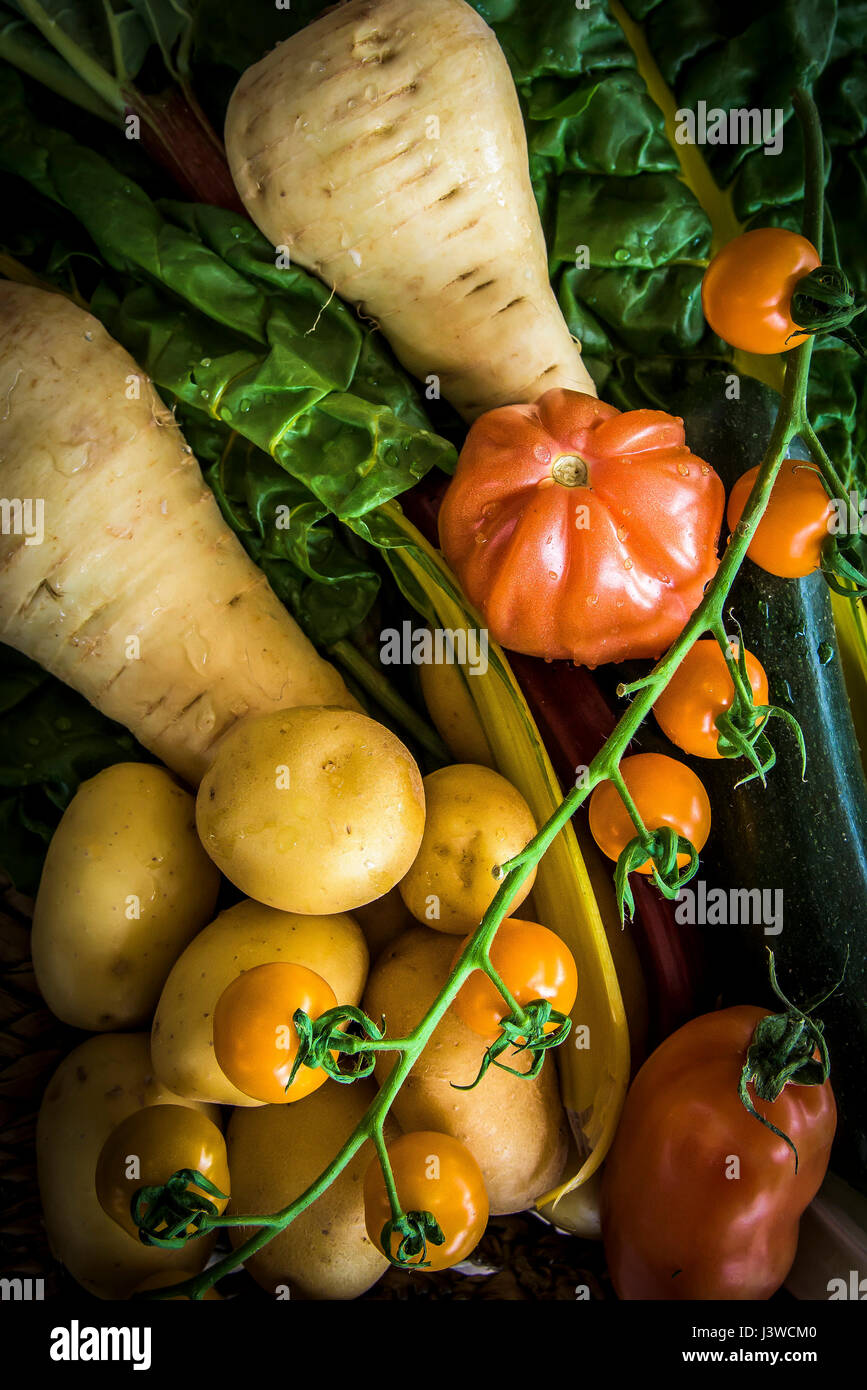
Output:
(176, 1211)
(581, 532)
(743, 726)
(666, 850)
(541, 1028)
(782, 1052)
(824, 302)
(326, 1042)
(414, 1231)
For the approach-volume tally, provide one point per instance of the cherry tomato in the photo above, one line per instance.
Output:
(532, 962)
(665, 792)
(679, 1219)
(146, 1148)
(435, 1173)
(747, 289)
(255, 1042)
(581, 532)
(788, 540)
(700, 689)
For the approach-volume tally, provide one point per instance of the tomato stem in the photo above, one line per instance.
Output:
(782, 1052)
(514, 1007)
(617, 780)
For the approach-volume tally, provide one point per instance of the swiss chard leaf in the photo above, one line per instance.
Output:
(743, 56)
(50, 740)
(205, 308)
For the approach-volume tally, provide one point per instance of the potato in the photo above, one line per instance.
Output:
(453, 713)
(475, 821)
(312, 810)
(383, 920)
(97, 1086)
(126, 885)
(241, 937)
(274, 1154)
(515, 1128)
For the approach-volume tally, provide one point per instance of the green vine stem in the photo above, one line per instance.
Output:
(516, 1013)
(617, 780)
(707, 618)
(742, 687)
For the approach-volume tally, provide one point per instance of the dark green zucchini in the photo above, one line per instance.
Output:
(806, 838)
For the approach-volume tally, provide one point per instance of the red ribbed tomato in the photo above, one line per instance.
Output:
(581, 532)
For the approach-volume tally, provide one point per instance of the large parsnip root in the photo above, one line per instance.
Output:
(384, 146)
(137, 594)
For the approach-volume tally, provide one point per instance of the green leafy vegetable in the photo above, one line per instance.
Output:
(50, 740)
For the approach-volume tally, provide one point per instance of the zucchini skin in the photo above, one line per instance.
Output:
(807, 838)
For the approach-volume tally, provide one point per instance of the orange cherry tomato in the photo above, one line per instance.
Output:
(436, 1173)
(747, 289)
(700, 689)
(665, 792)
(255, 1042)
(788, 540)
(151, 1144)
(532, 962)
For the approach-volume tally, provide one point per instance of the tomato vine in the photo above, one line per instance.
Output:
(525, 1027)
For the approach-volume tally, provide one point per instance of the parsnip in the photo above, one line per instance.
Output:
(137, 594)
(384, 146)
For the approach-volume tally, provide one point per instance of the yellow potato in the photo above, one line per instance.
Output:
(475, 821)
(241, 937)
(383, 920)
(312, 810)
(274, 1154)
(99, 1084)
(451, 708)
(515, 1128)
(126, 885)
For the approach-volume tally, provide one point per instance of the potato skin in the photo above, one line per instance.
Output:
(99, 1084)
(248, 934)
(130, 830)
(312, 810)
(274, 1154)
(475, 820)
(515, 1128)
(383, 920)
